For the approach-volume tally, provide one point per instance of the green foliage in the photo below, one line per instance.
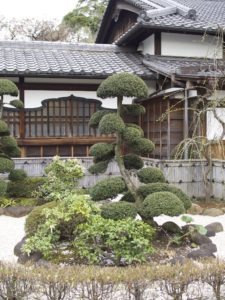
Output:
(62, 179)
(133, 110)
(142, 146)
(58, 223)
(107, 188)
(99, 168)
(7, 87)
(13, 152)
(137, 127)
(131, 134)
(111, 123)
(150, 188)
(24, 188)
(17, 104)
(127, 240)
(3, 187)
(187, 219)
(4, 130)
(17, 175)
(102, 151)
(161, 203)
(150, 175)
(133, 161)
(5, 202)
(8, 142)
(97, 116)
(122, 84)
(6, 165)
(128, 197)
(118, 211)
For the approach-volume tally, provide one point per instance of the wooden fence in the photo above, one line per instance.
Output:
(185, 174)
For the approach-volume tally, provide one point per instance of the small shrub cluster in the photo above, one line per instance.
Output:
(102, 151)
(111, 123)
(24, 188)
(131, 134)
(142, 146)
(99, 167)
(149, 175)
(118, 211)
(17, 175)
(133, 161)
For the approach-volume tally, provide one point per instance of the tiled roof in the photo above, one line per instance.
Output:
(185, 67)
(68, 60)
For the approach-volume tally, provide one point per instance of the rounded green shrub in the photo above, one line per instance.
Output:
(17, 104)
(97, 116)
(4, 130)
(102, 151)
(3, 187)
(7, 87)
(37, 217)
(24, 188)
(122, 84)
(142, 146)
(107, 188)
(118, 211)
(6, 165)
(8, 142)
(111, 123)
(151, 188)
(131, 134)
(17, 175)
(128, 197)
(13, 152)
(149, 175)
(132, 125)
(161, 203)
(133, 161)
(133, 110)
(99, 167)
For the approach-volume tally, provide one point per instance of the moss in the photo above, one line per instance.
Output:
(17, 175)
(7, 87)
(6, 165)
(142, 146)
(97, 116)
(149, 175)
(131, 134)
(3, 187)
(133, 110)
(161, 203)
(102, 151)
(151, 188)
(123, 84)
(24, 188)
(133, 161)
(99, 168)
(111, 123)
(118, 211)
(4, 130)
(17, 104)
(107, 188)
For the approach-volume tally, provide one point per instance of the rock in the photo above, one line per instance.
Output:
(214, 227)
(195, 209)
(18, 248)
(1, 211)
(171, 227)
(199, 239)
(17, 211)
(177, 260)
(33, 258)
(43, 263)
(213, 212)
(210, 247)
(200, 253)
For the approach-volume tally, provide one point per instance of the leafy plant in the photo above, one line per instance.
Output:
(118, 211)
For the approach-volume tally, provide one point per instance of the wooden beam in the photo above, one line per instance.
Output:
(158, 43)
(21, 88)
(56, 86)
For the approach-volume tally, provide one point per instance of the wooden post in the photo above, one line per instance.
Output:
(185, 121)
(168, 130)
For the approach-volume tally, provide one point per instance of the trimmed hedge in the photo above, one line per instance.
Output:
(122, 84)
(17, 175)
(17, 104)
(6, 165)
(118, 211)
(128, 197)
(107, 188)
(132, 125)
(8, 142)
(3, 187)
(131, 134)
(24, 188)
(161, 203)
(151, 188)
(149, 175)
(7, 87)
(133, 110)
(14, 152)
(4, 130)
(133, 161)
(97, 116)
(111, 123)
(102, 151)
(142, 146)
(99, 167)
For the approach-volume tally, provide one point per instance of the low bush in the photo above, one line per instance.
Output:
(161, 203)
(151, 188)
(133, 161)
(118, 211)
(107, 188)
(127, 197)
(24, 188)
(111, 123)
(149, 175)
(6, 165)
(17, 175)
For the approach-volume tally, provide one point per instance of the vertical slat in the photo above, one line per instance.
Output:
(168, 130)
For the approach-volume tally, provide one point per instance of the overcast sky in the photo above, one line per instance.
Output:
(40, 9)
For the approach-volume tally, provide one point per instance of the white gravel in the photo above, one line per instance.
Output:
(11, 232)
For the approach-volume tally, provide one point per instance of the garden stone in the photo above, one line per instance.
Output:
(210, 247)
(18, 248)
(32, 258)
(177, 260)
(200, 253)
(17, 211)
(1, 211)
(213, 212)
(214, 227)
(171, 227)
(199, 239)
(195, 209)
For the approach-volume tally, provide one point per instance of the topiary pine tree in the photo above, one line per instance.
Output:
(127, 135)
(8, 144)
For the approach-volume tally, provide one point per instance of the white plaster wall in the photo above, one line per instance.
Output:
(188, 45)
(148, 45)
